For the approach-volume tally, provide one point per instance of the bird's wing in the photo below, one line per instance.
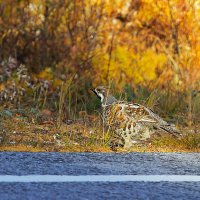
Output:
(156, 117)
(140, 113)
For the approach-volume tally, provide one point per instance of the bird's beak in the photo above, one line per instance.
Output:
(92, 89)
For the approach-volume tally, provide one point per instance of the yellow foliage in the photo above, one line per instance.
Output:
(2, 87)
(127, 66)
(57, 83)
(46, 74)
(119, 36)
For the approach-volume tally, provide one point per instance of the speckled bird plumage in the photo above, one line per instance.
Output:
(131, 121)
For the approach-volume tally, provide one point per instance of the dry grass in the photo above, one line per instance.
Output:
(18, 133)
(40, 133)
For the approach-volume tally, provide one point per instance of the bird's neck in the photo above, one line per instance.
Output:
(108, 100)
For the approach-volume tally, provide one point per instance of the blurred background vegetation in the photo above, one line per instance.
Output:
(53, 51)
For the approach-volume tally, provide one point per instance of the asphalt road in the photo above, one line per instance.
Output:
(134, 176)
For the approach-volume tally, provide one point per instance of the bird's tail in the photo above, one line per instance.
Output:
(171, 129)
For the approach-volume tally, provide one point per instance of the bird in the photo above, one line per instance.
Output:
(131, 122)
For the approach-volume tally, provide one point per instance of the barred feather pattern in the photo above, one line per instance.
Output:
(131, 121)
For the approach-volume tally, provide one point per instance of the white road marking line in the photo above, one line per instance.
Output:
(98, 178)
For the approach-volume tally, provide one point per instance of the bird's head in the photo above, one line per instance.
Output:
(103, 94)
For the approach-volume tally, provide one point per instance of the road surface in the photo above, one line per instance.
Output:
(99, 176)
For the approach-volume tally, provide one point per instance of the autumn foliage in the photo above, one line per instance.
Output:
(140, 47)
